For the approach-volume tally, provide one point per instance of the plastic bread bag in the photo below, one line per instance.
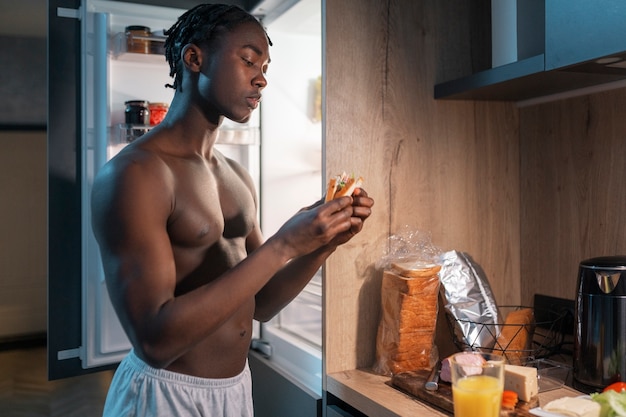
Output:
(410, 248)
(409, 305)
(470, 304)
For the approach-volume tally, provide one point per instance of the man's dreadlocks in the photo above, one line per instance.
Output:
(200, 25)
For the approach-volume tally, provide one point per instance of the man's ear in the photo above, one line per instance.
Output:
(192, 57)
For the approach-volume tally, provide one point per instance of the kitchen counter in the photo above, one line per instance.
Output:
(371, 394)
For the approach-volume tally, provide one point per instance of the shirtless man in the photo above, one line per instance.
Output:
(186, 266)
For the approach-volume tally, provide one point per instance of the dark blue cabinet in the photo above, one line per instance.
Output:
(584, 46)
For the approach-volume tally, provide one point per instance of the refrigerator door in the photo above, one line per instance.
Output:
(111, 76)
(64, 216)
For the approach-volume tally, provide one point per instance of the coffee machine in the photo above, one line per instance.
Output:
(600, 323)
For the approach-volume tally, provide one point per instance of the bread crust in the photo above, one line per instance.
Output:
(516, 336)
(332, 188)
(415, 269)
(342, 185)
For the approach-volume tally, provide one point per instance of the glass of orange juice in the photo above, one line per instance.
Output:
(477, 384)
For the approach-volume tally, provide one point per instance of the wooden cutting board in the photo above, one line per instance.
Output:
(413, 383)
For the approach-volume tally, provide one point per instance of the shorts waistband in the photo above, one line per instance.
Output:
(139, 365)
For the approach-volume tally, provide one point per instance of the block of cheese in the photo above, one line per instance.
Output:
(573, 406)
(522, 380)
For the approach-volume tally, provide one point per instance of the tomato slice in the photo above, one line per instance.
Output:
(616, 386)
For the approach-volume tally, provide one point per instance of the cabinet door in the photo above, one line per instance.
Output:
(583, 30)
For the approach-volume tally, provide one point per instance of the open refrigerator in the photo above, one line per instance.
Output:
(92, 74)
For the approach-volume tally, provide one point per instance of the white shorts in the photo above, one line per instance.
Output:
(138, 390)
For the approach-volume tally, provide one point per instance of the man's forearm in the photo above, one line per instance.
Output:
(288, 283)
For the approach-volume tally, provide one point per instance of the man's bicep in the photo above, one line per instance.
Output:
(137, 252)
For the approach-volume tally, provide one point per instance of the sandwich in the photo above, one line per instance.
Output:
(342, 185)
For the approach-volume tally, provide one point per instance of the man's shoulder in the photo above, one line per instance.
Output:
(136, 165)
(137, 157)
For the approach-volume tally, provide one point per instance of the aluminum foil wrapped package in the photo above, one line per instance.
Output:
(470, 304)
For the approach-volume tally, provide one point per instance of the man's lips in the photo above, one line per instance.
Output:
(253, 101)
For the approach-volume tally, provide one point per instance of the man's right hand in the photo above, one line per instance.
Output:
(316, 226)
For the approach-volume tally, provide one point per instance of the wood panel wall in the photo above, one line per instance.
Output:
(573, 193)
(450, 169)
(23, 77)
(23, 238)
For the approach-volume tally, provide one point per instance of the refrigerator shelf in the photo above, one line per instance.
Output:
(245, 135)
(119, 48)
(130, 132)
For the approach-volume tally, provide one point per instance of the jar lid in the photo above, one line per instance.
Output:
(157, 104)
(138, 27)
(136, 102)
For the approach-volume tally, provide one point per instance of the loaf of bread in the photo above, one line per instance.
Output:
(516, 336)
(409, 304)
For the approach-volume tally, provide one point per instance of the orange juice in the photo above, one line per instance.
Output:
(477, 396)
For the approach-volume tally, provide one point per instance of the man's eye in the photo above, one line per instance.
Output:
(248, 63)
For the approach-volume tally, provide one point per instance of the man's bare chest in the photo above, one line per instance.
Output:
(209, 206)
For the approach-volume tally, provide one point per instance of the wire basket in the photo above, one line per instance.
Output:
(546, 335)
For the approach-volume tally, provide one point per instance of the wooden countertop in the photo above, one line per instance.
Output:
(371, 394)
